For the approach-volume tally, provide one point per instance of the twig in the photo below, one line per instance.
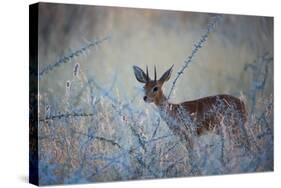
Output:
(66, 115)
(112, 142)
(156, 129)
(68, 58)
(196, 47)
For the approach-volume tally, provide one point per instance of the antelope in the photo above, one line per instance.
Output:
(195, 117)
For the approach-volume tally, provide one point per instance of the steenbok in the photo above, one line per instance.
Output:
(194, 118)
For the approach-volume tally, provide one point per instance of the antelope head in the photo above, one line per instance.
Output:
(152, 88)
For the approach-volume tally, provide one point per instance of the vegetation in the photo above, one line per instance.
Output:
(94, 134)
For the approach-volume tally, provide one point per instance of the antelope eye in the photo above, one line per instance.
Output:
(155, 89)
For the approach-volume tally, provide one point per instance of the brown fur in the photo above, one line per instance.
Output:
(205, 114)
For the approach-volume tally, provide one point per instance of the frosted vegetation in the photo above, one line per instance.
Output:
(94, 125)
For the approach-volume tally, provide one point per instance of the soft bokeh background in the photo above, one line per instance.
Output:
(152, 37)
(94, 125)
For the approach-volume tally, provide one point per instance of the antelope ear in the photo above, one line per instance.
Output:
(140, 75)
(166, 76)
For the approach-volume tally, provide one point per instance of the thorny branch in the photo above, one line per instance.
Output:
(196, 47)
(69, 57)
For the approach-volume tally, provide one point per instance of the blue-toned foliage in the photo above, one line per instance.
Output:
(91, 134)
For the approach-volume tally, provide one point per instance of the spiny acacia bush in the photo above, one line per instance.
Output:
(110, 139)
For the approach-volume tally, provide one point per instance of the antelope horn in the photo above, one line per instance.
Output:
(147, 75)
(155, 74)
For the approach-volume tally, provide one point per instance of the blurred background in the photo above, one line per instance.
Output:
(151, 37)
